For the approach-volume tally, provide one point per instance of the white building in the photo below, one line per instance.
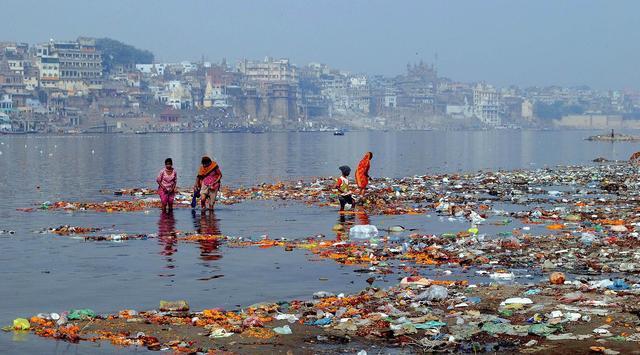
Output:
(460, 111)
(390, 98)
(73, 66)
(151, 69)
(527, 110)
(486, 104)
(359, 81)
(176, 95)
(5, 122)
(49, 70)
(188, 67)
(268, 70)
(16, 63)
(6, 104)
(215, 96)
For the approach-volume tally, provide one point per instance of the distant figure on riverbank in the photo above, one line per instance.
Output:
(342, 185)
(362, 173)
(167, 182)
(208, 183)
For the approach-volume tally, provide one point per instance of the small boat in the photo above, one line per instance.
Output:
(338, 133)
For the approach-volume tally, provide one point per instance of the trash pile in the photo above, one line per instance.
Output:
(425, 314)
(558, 269)
(453, 194)
(107, 206)
(68, 230)
(82, 233)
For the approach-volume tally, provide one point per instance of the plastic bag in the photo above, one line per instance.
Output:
(284, 330)
(433, 293)
(363, 231)
(21, 324)
(85, 313)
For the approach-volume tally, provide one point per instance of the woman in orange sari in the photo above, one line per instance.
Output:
(362, 173)
(208, 182)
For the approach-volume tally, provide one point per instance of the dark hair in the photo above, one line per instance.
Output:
(345, 170)
(168, 161)
(206, 161)
(370, 155)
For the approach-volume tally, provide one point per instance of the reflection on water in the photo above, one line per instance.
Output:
(349, 218)
(167, 239)
(363, 218)
(207, 224)
(91, 163)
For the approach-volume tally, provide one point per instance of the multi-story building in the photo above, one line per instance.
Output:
(269, 70)
(49, 68)
(31, 77)
(16, 62)
(175, 94)
(79, 62)
(5, 122)
(527, 110)
(486, 104)
(6, 104)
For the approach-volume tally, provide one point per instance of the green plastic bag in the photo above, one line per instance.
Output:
(542, 330)
(76, 314)
(21, 324)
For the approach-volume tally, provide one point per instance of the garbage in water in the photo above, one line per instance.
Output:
(562, 267)
(363, 232)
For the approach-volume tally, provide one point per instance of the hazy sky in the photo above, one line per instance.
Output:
(537, 42)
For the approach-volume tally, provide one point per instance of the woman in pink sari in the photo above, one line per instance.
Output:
(167, 181)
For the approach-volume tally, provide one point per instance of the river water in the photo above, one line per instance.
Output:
(44, 273)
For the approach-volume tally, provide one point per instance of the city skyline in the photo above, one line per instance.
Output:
(498, 42)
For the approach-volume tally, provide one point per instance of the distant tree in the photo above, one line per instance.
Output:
(556, 110)
(117, 53)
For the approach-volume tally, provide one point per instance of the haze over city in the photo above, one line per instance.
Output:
(502, 42)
